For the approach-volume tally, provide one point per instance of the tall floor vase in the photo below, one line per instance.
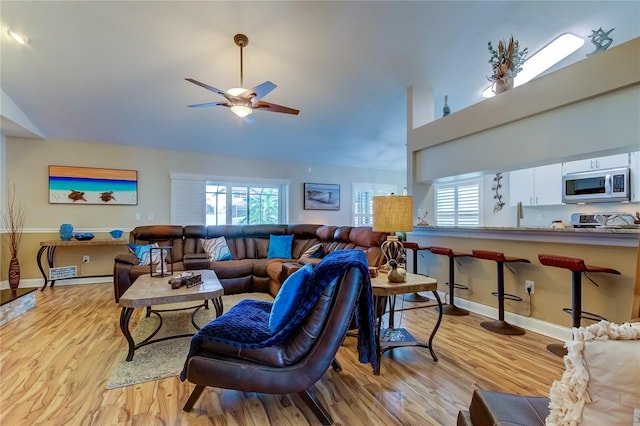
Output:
(14, 273)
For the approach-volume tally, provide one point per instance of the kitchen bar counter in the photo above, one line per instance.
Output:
(621, 237)
(541, 311)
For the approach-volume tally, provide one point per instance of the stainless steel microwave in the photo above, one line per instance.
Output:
(597, 186)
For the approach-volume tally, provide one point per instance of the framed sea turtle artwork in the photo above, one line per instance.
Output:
(90, 185)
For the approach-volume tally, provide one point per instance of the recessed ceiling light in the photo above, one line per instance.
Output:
(17, 37)
(544, 59)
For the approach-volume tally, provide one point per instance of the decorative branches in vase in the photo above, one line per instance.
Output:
(506, 62)
(13, 223)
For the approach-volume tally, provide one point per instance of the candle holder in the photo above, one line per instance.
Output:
(161, 269)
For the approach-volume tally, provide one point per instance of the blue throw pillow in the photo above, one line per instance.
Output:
(286, 301)
(280, 246)
(142, 253)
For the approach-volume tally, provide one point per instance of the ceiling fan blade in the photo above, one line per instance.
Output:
(209, 104)
(259, 91)
(268, 106)
(206, 86)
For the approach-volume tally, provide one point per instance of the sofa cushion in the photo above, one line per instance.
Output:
(233, 268)
(261, 266)
(216, 248)
(143, 253)
(286, 302)
(280, 246)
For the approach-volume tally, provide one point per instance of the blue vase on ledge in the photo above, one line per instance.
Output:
(66, 232)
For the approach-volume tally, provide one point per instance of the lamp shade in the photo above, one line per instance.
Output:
(393, 213)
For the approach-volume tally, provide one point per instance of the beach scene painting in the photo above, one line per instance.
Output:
(89, 185)
(321, 196)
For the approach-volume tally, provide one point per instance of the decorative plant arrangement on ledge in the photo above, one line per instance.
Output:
(497, 196)
(506, 63)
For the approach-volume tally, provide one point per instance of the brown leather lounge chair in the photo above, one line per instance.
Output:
(296, 364)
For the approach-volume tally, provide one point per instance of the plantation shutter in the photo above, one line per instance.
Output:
(458, 204)
(188, 201)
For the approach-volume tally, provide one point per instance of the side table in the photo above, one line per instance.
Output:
(385, 292)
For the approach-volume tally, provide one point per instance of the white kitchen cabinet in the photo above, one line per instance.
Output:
(537, 186)
(597, 163)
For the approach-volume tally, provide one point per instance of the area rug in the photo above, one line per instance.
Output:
(165, 359)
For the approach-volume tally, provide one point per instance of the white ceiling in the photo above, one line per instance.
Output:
(114, 71)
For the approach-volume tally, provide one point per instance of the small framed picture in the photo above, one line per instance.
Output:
(321, 196)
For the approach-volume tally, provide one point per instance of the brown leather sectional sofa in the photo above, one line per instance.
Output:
(250, 270)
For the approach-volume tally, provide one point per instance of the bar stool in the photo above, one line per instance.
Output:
(500, 325)
(415, 248)
(577, 268)
(451, 308)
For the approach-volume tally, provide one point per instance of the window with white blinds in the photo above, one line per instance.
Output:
(458, 203)
(362, 197)
(215, 200)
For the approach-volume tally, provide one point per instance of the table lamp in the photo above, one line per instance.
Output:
(392, 213)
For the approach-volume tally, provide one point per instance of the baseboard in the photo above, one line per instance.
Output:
(532, 324)
(38, 282)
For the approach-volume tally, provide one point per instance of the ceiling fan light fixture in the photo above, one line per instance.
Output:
(241, 110)
(17, 37)
(236, 91)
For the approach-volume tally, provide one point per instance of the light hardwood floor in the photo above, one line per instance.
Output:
(56, 359)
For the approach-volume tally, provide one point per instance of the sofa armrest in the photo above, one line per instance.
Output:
(122, 273)
(312, 260)
(289, 268)
(196, 261)
(127, 258)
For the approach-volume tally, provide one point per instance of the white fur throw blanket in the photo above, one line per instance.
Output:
(601, 382)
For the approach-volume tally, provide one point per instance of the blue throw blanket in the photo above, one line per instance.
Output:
(246, 325)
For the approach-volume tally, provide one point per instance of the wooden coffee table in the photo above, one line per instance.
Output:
(385, 292)
(147, 291)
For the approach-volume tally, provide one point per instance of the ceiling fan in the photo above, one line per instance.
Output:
(243, 101)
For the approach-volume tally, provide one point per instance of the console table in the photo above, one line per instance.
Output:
(51, 246)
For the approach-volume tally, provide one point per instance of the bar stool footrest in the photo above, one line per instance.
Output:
(586, 315)
(508, 296)
(453, 310)
(416, 297)
(460, 286)
(502, 327)
(557, 349)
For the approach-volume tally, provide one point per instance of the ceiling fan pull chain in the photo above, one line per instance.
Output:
(241, 69)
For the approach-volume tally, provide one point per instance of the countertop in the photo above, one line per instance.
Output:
(626, 237)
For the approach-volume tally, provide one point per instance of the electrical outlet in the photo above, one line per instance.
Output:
(86, 259)
(528, 286)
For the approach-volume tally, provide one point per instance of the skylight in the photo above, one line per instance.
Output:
(544, 59)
